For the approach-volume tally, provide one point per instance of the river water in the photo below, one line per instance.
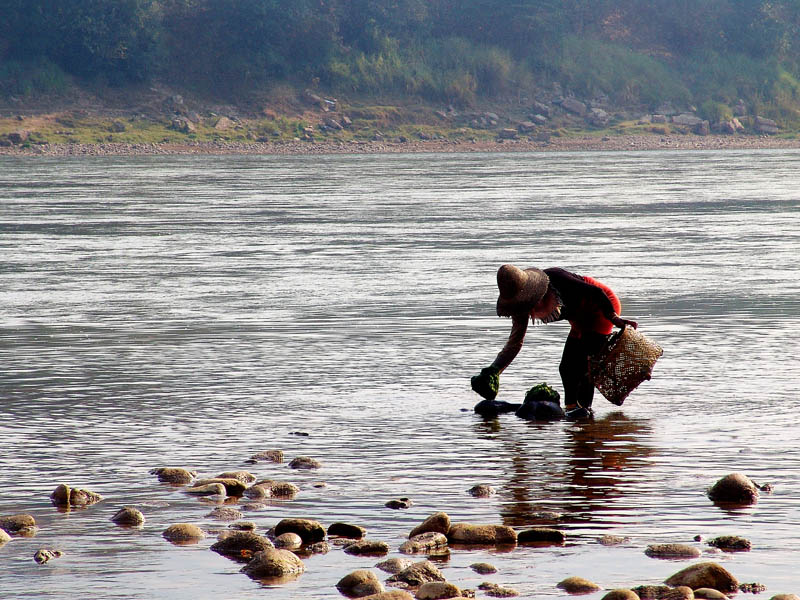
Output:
(192, 311)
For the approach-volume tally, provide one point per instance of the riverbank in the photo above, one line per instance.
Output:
(579, 143)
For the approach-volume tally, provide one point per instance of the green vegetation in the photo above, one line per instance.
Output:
(707, 53)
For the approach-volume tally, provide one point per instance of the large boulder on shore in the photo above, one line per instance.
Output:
(705, 575)
(735, 488)
(481, 535)
(273, 563)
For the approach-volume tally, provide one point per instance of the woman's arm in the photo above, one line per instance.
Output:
(514, 344)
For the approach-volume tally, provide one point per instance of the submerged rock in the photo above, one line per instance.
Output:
(359, 584)
(672, 551)
(578, 586)
(735, 488)
(540, 411)
(346, 530)
(129, 517)
(273, 563)
(437, 523)
(394, 565)
(425, 542)
(483, 568)
(492, 408)
(469, 534)
(707, 575)
(390, 595)
(417, 574)
(209, 489)
(437, 590)
(612, 540)
(244, 476)
(241, 545)
(269, 488)
(225, 513)
(481, 491)
(497, 591)
(398, 504)
(233, 487)
(17, 523)
(304, 462)
(183, 533)
(367, 548)
(4, 537)
(541, 535)
(310, 531)
(64, 495)
(174, 475)
(43, 555)
(731, 543)
(273, 456)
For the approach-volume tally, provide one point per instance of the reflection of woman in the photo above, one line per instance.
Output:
(555, 294)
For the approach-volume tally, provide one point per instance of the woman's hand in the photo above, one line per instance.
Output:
(621, 323)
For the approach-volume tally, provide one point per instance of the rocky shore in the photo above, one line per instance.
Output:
(584, 143)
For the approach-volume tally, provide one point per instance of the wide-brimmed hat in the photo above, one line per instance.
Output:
(520, 289)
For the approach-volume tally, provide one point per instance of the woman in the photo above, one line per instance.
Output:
(548, 295)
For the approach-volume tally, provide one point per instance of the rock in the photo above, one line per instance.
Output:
(241, 545)
(598, 117)
(417, 574)
(210, 489)
(735, 488)
(333, 124)
(359, 583)
(497, 591)
(390, 595)
(244, 476)
(574, 106)
(128, 516)
(612, 540)
(709, 594)
(507, 134)
(702, 128)
(274, 456)
(731, 127)
(482, 491)
(64, 495)
(304, 462)
(182, 125)
(394, 565)
(672, 551)
(578, 586)
(268, 488)
(707, 575)
(225, 513)
(17, 523)
(731, 543)
(491, 408)
(18, 137)
(243, 526)
(658, 119)
(43, 555)
(4, 537)
(290, 541)
(182, 533)
(438, 522)
(273, 563)
(318, 547)
(621, 594)
(768, 126)
(651, 592)
(541, 535)
(398, 504)
(346, 530)
(233, 487)
(310, 531)
(686, 120)
(367, 548)
(424, 542)
(785, 597)
(526, 127)
(467, 533)
(540, 411)
(483, 568)
(437, 590)
(223, 124)
(539, 119)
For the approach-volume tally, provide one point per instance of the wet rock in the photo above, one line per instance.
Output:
(492, 408)
(497, 591)
(225, 513)
(243, 526)
(129, 517)
(482, 491)
(679, 593)
(394, 565)
(578, 586)
(752, 588)
(319, 548)
(367, 548)
(425, 542)
(64, 495)
(174, 475)
(708, 575)
(612, 540)
(233, 487)
(399, 504)
(785, 597)
(273, 563)
(437, 523)
(209, 489)
(304, 462)
(540, 411)
(735, 488)
(662, 592)
(672, 551)
(621, 594)
(359, 584)
(483, 568)
(273, 456)
(346, 530)
(541, 535)
(731, 543)
(244, 476)
(43, 555)
(437, 590)
(417, 574)
(289, 541)
(709, 594)
(469, 534)
(310, 531)
(183, 533)
(17, 523)
(390, 595)
(4, 537)
(241, 545)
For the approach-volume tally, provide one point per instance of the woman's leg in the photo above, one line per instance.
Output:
(574, 371)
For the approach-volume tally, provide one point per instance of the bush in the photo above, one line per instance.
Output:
(28, 78)
(715, 112)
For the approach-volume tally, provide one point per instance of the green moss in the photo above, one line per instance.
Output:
(542, 393)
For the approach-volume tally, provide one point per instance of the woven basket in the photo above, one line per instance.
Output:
(626, 361)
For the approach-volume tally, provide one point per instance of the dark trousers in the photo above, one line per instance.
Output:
(574, 368)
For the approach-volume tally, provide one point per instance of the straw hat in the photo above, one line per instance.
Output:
(520, 290)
